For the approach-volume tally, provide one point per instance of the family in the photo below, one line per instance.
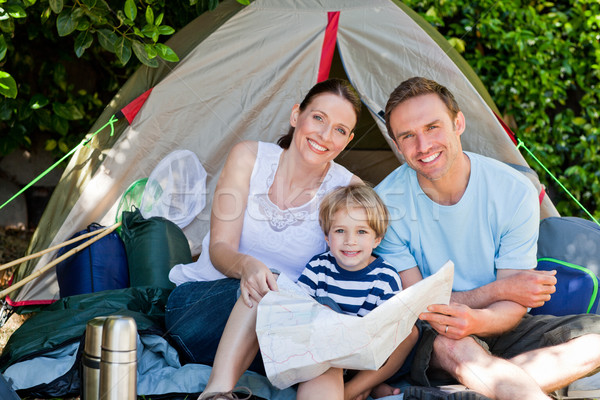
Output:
(289, 208)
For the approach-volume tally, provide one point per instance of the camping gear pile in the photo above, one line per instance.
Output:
(241, 70)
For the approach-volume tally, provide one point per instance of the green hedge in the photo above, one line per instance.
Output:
(540, 61)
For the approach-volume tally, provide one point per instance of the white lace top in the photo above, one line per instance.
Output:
(284, 240)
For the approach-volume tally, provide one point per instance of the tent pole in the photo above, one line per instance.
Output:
(48, 250)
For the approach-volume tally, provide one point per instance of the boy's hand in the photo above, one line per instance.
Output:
(381, 390)
(384, 390)
(361, 396)
(350, 391)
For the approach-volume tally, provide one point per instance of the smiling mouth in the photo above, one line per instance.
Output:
(431, 157)
(350, 253)
(316, 146)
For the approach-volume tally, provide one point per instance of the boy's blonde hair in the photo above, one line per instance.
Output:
(353, 196)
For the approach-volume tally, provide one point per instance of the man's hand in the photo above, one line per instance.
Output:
(455, 320)
(529, 288)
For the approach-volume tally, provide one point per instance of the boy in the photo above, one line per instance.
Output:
(354, 221)
(350, 279)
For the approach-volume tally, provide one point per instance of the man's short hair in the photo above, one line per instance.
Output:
(355, 196)
(414, 87)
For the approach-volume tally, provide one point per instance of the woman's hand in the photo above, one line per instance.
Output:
(256, 281)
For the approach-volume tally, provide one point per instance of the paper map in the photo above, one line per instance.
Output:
(300, 339)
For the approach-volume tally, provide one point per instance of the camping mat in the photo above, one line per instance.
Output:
(65, 320)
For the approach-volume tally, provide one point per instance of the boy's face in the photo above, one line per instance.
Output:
(351, 239)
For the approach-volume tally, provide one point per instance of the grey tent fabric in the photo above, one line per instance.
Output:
(241, 71)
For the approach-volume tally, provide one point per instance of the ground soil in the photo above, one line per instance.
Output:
(13, 245)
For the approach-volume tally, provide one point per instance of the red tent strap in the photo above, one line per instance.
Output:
(542, 194)
(508, 131)
(333, 18)
(131, 109)
(513, 137)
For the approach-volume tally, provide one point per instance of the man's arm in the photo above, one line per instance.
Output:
(463, 320)
(528, 288)
(458, 320)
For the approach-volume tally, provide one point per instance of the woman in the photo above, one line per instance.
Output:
(264, 217)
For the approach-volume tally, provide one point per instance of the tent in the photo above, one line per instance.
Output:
(241, 71)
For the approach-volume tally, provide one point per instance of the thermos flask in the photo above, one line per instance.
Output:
(118, 363)
(91, 359)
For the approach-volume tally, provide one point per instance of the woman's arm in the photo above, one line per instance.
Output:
(227, 218)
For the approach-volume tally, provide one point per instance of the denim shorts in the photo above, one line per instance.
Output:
(195, 317)
(532, 333)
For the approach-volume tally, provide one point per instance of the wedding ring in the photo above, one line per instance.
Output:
(446, 331)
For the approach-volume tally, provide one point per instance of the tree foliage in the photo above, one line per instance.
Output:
(540, 60)
(61, 61)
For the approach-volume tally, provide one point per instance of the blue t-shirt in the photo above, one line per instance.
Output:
(493, 226)
(355, 292)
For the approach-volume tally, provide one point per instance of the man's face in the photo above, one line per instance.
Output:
(426, 135)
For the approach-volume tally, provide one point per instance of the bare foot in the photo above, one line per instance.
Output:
(383, 390)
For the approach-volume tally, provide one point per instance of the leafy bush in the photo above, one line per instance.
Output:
(541, 63)
(61, 61)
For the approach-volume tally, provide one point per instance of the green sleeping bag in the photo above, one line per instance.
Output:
(153, 247)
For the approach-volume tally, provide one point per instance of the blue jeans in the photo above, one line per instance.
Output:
(195, 317)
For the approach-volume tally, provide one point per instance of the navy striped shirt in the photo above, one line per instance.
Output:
(356, 292)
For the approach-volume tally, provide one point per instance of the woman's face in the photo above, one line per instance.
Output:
(324, 128)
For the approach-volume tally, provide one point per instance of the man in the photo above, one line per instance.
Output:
(484, 216)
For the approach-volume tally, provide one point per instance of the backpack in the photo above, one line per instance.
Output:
(100, 266)
(571, 246)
